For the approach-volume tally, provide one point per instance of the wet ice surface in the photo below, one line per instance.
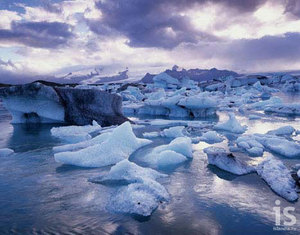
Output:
(39, 195)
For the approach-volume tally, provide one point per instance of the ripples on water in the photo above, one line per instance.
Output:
(40, 196)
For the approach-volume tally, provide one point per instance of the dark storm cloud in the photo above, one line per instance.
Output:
(293, 6)
(37, 34)
(157, 23)
(265, 52)
(267, 48)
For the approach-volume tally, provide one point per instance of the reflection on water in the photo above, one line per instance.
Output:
(38, 195)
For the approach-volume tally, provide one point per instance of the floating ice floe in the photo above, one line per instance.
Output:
(285, 130)
(260, 105)
(173, 132)
(278, 177)
(170, 155)
(250, 145)
(81, 145)
(279, 145)
(139, 198)
(211, 137)
(128, 172)
(74, 134)
(6, 152)
(227, 161)
(142, 196)
(152, 134)
(118, 146)
(231, 125)
(284, 109)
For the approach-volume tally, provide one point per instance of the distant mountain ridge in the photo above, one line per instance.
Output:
(194, 74)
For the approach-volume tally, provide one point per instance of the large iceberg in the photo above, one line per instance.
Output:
(118, 146)
(33, 103)
(44, 102)
(227, 161)
(275, 173)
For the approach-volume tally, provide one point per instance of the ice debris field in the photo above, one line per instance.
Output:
(247, 125)
(187, 114)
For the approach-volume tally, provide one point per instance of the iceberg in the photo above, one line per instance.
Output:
(128, 172)
(227, 161)
(83, 144)
(156, 95)
(170, 155)
(211, 137)
(132, 94)
(173, 132)
(250, 145)
(265, 103)
(292, 109)
(139, 198)
(151, 134)
(285, 130)
(118, 146)
(164, 80)
(279, 145)
(75, 134)
(6, 152)
(179, 105)
(33, 103)
(278, 177)
(231, 125)
(44, 102)
(200, 106)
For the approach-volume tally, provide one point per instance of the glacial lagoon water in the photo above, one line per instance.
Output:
(40, 196)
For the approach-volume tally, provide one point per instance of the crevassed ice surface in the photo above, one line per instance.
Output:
(39, 195)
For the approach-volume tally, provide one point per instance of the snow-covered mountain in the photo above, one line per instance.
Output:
(94, 76)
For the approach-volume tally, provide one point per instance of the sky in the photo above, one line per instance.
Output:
(54, 37)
